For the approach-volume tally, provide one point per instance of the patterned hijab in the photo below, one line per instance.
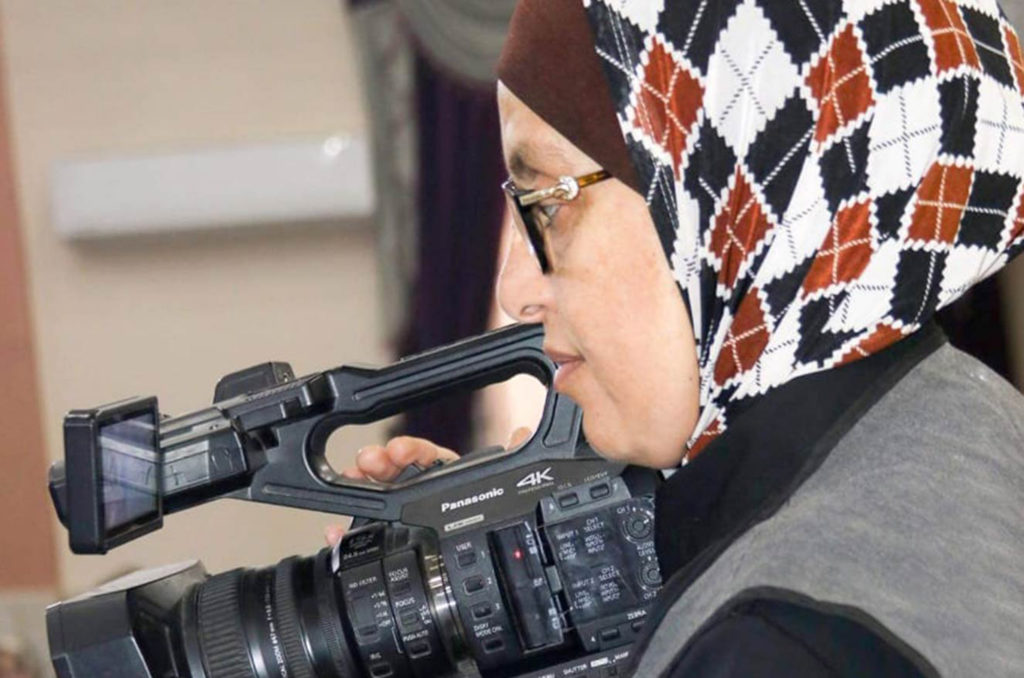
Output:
(824, 174)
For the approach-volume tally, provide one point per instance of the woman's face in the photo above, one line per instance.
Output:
(613, 317)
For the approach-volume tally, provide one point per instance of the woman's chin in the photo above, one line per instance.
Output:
(608, 444)
(615, 445)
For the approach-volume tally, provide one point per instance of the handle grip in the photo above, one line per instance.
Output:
(363, 395)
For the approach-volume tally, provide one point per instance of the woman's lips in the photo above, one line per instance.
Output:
(567, 364)
(565, 370)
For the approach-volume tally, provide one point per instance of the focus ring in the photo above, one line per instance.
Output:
(288, 623)
(331, 616)
(221, 638)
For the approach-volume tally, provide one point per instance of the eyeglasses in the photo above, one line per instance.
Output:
(533, 218)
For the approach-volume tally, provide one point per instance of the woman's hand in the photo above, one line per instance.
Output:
(383, 463)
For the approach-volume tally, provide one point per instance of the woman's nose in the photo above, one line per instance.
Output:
(523, 291)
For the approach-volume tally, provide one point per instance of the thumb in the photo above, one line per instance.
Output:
(518, 437)
(333, 534)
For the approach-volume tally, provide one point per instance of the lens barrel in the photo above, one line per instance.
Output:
(225, 650)
(309, 618)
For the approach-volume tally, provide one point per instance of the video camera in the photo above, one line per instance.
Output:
(537, 561)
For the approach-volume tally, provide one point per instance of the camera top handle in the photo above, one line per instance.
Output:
(309, 410)
(268, 445)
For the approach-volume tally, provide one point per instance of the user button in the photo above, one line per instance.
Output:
(473, 584)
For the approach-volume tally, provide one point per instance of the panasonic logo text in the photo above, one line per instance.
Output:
(469, 501)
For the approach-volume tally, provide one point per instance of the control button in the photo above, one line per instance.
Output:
(418, 648)
(568, 500)
(401, 588)
(474, 584)
(637, 625)
(599, 491)
(638, 525)
(381, 670)
(466, 558)
(367, 631)
(482, 611)
(650, 575)
(409, 617)
(494, 645)
(609, 634)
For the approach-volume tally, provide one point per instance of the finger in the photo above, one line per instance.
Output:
(446, 455)
(405, 450)
(518, 437)
(374, 462)
(354, 473)
(333, 534)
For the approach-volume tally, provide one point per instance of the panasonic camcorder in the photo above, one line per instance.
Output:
(536, 561)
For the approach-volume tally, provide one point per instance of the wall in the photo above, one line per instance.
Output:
(169, 315)
(21, 451)
(28, 566)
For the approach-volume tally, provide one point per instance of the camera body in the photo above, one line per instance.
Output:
(533, 562)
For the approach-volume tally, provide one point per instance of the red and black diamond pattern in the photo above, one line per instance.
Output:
(824, 175)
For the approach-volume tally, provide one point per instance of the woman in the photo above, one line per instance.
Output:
(755, 209)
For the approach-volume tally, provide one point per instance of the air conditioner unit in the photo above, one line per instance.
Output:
(320, 180)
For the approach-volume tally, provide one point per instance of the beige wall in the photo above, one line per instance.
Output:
(169, 315)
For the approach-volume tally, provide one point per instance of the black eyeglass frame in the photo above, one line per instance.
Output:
(532, 221)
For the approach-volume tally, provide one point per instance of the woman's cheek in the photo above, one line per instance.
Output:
(594, 428)
(605, 427)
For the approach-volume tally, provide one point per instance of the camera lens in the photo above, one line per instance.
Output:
(309, 618)
(279, 622)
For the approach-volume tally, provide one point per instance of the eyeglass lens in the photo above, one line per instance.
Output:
(531, 222)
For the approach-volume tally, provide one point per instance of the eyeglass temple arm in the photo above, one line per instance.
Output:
(592, 178)
(569, 187)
